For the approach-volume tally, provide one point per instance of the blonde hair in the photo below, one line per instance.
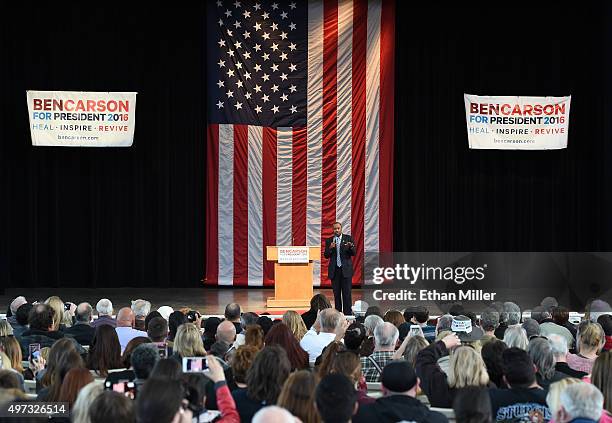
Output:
(467, 368)
(5, 362)
(554, 393)
(57, 305)
(5, 328)
(591, 336)
(295, 323)
(188, 341)
(87, 395)
(12, 349)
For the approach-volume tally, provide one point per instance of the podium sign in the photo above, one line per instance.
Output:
(293, 254)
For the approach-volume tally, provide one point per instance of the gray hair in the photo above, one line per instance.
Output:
(582, 400)
(445, 322)
(371, 322)
(514, 313)
(542, 356)
(273, 413)
(16, 303)
(329, 319)
(489, 320)
(104, 306)
(84, 312)
(532, 327)
(515, 336)
(87, 395)
(558, 345)
(141, 308)
(248, 318)
(385, 335)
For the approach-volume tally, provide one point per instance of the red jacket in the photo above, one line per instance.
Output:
(226, 404)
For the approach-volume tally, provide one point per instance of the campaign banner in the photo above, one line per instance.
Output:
(81, 119)
(517, 123)
(293, 254)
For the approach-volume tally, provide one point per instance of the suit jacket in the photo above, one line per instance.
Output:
(82, 332)
(346, 253)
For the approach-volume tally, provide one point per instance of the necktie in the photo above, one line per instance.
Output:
(338, 259)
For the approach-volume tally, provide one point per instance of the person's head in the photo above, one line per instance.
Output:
(516, 336)
(152, 315)
(60, 348)
(560, 315)
(105, 350)
(297, 395)
(75, 380)
(295, 323)
(445, 323)
(66, 362)
(210, 326)
(554, 392)
(558, 346)
(226, 332)
(267, 374)
(188, 342)
(41, 317)
(346, 363)
(399, 377)
(413, 346)
(337, 227)
(242, 360)
(111, 406)
(472, 404)
(514, 313)
(248, 318)
(394, 317)
(579, 400)
(385, 337)
(275, 414)
(354, 336)
(265, 323)
(548, 303)
(489, 320)
(605, 321)
(371, 322)
(126, 358)
(9, 379)
(104, 307)
(539, 314)
(16, 303)
(232, 312)
(532, 328)
(374, 310)
(542, 356)
(84, 312)
(57, 305)
(158, 329)
(10, 346)
(161, 401)
(143, 359)
(87, 395)
(141, 308)
(22, 313)
(600, 377)
(125, 317)
(330, 319)
(596, 308)
(175, 319)
(590, 337)
(336, 399)
(319, 302)
(254, 336)
(167, 369)
(281, 335)
(492, 356)
(518, 368)
(467, 368)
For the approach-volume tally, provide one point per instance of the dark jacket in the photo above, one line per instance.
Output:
(517, 404)
(246, 406)
(345, 256)
(566, 369)
(104, 320)
(309, 317)
(35, 336)
(82, 332)
(395, 408)
(433, 379)
(545, 383)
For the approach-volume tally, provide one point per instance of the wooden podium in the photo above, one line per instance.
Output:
(293, 281)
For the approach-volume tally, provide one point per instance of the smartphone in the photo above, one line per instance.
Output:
(34, 352)
(66, 306)
(194, 364)
(124, 387)
(415, 330)
(163, 351)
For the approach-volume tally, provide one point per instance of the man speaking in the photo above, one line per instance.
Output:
(339, 249)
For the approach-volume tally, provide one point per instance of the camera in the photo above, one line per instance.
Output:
(66, 306)
(192, 316)
(124, 387)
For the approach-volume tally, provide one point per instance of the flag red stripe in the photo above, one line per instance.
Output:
(212, 196)
(360, 33)
(386, 138)
(330, 110)
(298, 192)
(241, 218)
(269, 200)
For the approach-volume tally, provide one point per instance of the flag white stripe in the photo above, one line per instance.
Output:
(315, 129)
(371, 218)
(255, 212)
(344, 89)
(226, 205)
(284, 185)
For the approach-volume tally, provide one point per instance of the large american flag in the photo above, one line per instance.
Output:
(300, 131)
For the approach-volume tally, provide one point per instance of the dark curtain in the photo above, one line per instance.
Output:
(104, 217)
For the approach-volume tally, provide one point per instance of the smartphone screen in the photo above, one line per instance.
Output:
(124, 387)
(194, 364)
(34, 352)
(163, 351)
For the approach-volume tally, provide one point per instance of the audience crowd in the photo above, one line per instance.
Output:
(143, 365)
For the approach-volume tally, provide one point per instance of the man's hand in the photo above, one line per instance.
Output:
(216, 371)
(332, 245)
(451, 340)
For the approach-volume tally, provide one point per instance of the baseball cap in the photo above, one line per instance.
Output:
(462, 326)
(398, 376)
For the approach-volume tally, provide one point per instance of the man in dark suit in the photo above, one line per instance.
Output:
(82, 330)
(339, 249)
